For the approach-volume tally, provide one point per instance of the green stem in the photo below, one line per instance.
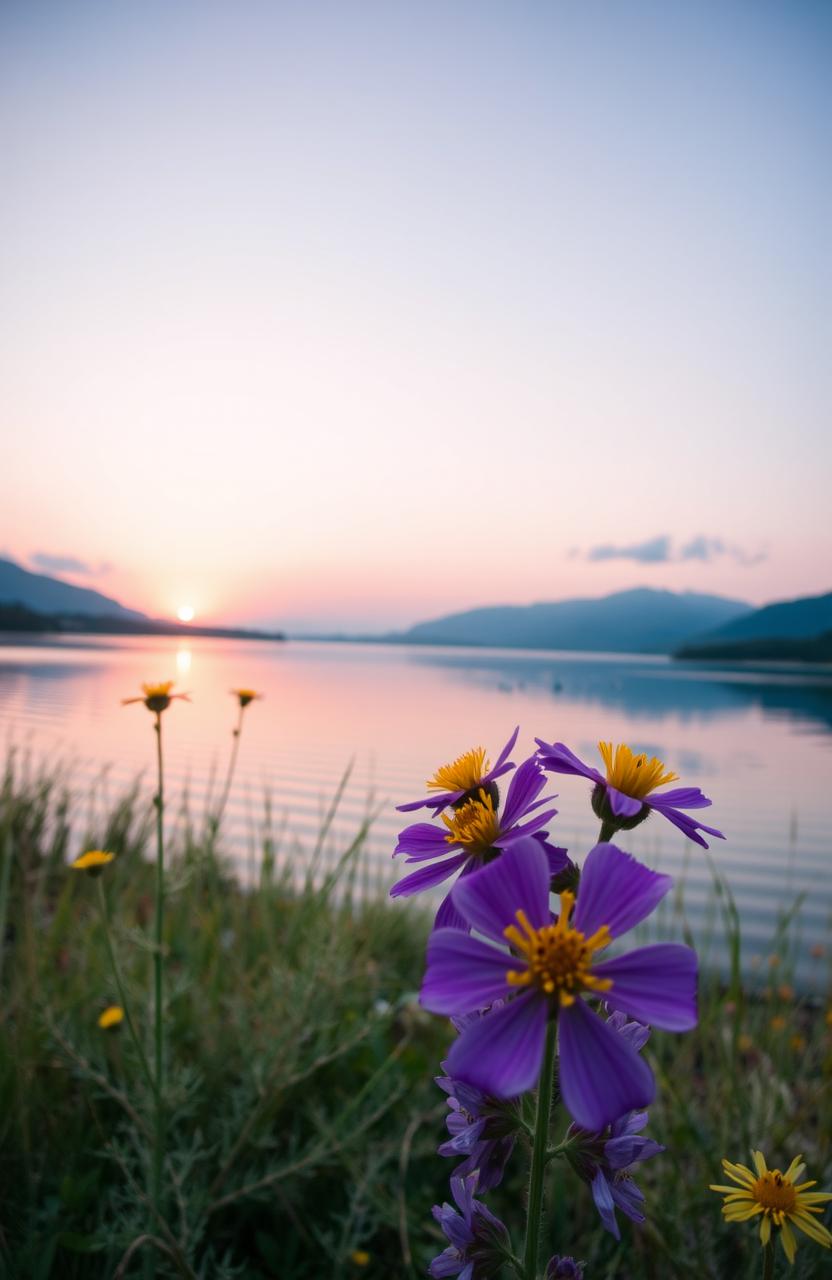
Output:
(768, 1261)
(122, 993)
(608, 830)
(229, 777)
(538, 1168)
(158, 959)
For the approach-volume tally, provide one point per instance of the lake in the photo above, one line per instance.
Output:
(758, 743)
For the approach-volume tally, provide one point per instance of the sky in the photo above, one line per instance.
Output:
(350, 314)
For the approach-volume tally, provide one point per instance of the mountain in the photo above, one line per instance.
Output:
(642, 620)
(50, 595)
(775, 649)
(798, 619)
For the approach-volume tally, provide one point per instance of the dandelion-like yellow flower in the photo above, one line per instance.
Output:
(246, 696)
(157, 697)
(360, 1257)
(93, 861)
(780, 1198)
(112, 1017)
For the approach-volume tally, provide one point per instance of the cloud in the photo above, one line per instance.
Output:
(660, 550)
(653, 551)
(67, 564)
(707, 549)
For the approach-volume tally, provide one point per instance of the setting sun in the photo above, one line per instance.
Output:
(185, 613)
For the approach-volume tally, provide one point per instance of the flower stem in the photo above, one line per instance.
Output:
(122, 994)
(538, 1168)
(768, 1261)
(159, 1132)
(608, 830)
(229, 777)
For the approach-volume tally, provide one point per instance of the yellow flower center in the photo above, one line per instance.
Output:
(774, 1192)
(635, 775)
(474, 824)
(111, 1017)
(157, 690)
(558, 957)
(463, 774)
(92, 859)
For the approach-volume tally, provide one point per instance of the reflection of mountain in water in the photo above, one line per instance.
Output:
(648, 689)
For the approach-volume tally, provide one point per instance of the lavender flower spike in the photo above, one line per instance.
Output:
(558, 1268)
(479, 1242)
(547, 974)
(624, 797)
(605, 1159)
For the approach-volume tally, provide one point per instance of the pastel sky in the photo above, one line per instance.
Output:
(348, 314)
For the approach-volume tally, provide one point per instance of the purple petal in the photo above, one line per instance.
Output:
(462, 1190)
(601, 1075)
(517, 833)
(558, 858)
(680, 798)
(427, 877)
(689, 826)
(630, 1149)
(604, 1203)
(502, 1052)
(421, 841)
(519, 879)
(628, 1198)
(526, 785)
(622, 805)
(616, 890)
(447, 1263)
(462, 974)
(635, 1032)
(557, 758)
(654, 984)
(503, 764)
(447, 917)
(437, 802)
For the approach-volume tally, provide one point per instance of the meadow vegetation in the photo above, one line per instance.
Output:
(301, 1117)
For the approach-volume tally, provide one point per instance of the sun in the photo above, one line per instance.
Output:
(185, 613)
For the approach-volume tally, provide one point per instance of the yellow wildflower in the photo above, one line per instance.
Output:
(781, 1200)
(111, 1018)
(246, 696)
(157, 697)
(93, 861)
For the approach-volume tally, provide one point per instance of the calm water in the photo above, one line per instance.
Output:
(759, 744)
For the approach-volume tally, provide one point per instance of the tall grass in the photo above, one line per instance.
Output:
(301, 1115)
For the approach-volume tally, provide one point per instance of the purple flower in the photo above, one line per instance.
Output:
(482, 1132)
(472, 834)
(478, 1240)
(559, 1268)
(605, 1159)
(551, 966)
(464, 778)
(620, 800)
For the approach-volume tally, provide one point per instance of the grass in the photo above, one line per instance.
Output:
(301, 1114)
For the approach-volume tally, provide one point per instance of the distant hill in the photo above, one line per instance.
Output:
(48, 595)
(782, 649)
(642, 620)
(798, 619)
(34, 602)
